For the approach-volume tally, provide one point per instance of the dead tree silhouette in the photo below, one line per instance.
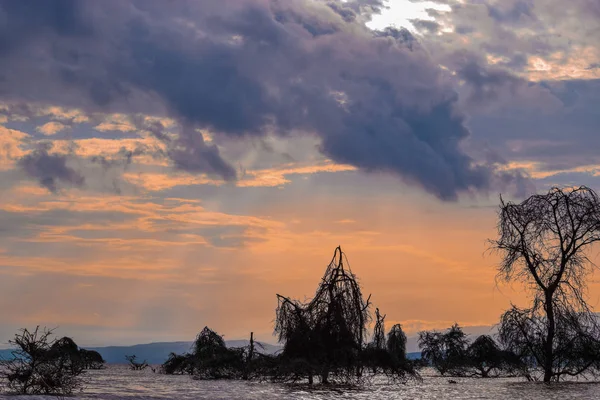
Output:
(543, 243)
(326, 336)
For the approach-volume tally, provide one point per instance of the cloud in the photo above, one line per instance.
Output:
(51, 128)
(375, 100)
(49, 169)
(116, 123)
(11, 142)
(534, 39)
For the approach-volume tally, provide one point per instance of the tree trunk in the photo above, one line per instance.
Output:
(325, 376)
(250, 357)
(548, 350)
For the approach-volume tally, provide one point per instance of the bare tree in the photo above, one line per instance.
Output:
(378, 340)
(326, 335)
(543, 242)
(40, 365)
(134, 364)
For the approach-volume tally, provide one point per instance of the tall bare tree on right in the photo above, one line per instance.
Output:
(544, 243)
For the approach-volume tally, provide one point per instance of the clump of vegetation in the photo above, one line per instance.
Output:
(178, 364)
(210, 358)
(41, 365)
(486, 359)
(213, 360)
(543, 243)
(445, 351)
(91, 359)
(450, 353)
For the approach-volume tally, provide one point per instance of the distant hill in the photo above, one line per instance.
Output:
(157, 353)
(5, 354)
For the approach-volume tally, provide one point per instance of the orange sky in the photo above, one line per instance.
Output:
(125, 269)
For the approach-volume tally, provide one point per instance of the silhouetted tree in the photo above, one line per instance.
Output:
(543, 242)
(326, 335)
(396, 343)
(375, 352)
(487, 359)
(40, 365)
(378, 341)
(136, 365)
(212, 358)
(66, 352)
(446, 351)
(391, 359)
(91, 359)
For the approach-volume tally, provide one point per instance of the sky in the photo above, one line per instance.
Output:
(170, 165)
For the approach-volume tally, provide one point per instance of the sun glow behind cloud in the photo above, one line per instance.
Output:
(399, 14)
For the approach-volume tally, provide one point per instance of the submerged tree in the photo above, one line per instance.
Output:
(213, 360)
(325, 336)
(543, 242)
(210, 358)
(91, 359)
(40, 365)
(66, 353)
(445, 351)
(486, 359)
(378, 341)
(134, 364)
(396, 343)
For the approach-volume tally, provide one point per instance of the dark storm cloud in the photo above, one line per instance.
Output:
(485, 83)
(561, 140)
(49, 169)
(514, 58)
(375, 99)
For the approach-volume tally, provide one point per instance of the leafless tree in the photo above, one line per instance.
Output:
(326, 335)
(378, 340)
(41, 365)
(544, 242)
(134, 364)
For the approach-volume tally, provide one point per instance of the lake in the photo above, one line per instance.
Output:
(119, 382)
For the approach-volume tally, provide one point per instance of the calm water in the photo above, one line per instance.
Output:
(118, 382)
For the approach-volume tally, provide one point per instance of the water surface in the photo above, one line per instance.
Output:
(119, 382)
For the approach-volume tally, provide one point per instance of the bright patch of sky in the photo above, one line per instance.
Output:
(399, 13)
